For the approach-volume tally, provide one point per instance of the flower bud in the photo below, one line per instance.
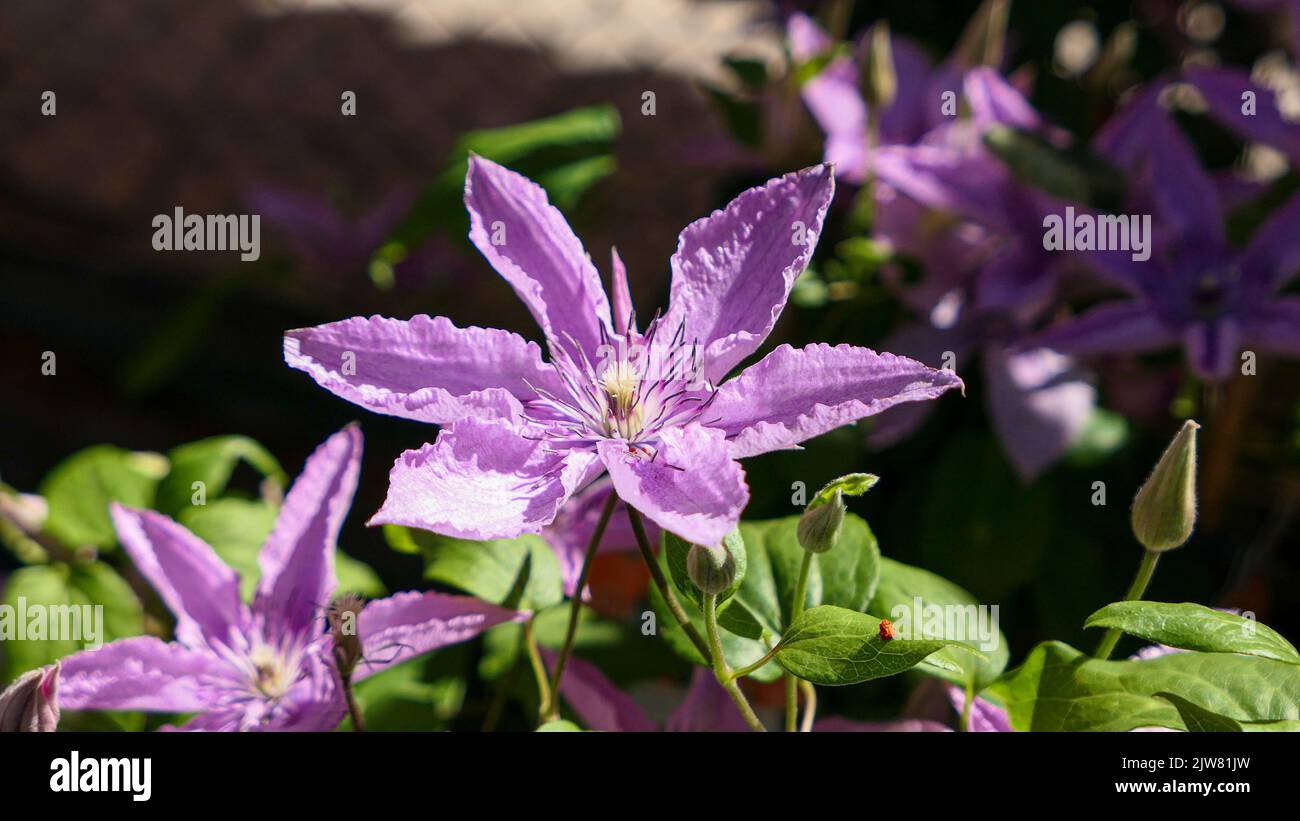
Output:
(1164, 510)
(819, 527)
(712, 571)
(31, 704)
(343, 616)
(879, 81)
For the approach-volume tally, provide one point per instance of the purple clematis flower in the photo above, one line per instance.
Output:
(1196, 290)
(267, 666)
(707, 708)
(649, 407)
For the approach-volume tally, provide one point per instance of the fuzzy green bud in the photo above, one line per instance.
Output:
(712, 571)
(1164, 510)
(819, 526)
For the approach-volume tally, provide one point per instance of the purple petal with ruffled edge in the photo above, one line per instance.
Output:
(1039, 404)
(795, 394)
(985, 716)
(297, 561)
(423, 369)
(733, 270)
(707, 708)
(529, 243)
(407, 625)
(200, 589)
(835, 724)
(1223, 89)
(691, 487)
(482, 479)
(576, 523)
(598, 703)
(1127, 326)
(143, 673)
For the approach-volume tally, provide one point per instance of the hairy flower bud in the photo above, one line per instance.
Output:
(819, 527)
(1164, 510)
(712, 571)
(343, 616)
(31, 704)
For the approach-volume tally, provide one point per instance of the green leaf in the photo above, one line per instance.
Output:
(424, 694)
(80, 488)
(559, 726)
(1060, 689)
(836, 646)
(901, 585)
(1194, 627)
(676, 549)
(237, 529)
(758, 613)
(211, 461)
(851, 484)
(1200, 720)
(566, 154)
(1069, 174)
(489, 570)
(61, 587)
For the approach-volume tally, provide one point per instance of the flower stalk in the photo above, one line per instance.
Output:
(551, 695)
(720, 669)
(657, 574)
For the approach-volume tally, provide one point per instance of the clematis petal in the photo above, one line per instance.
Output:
(733, 270)
(1275, 327)
(835, 724)
(314, 704)
(707, 708)
(483, 479)
(571, 532)
(1223, 89)
(529, 243)
(691, 487)
(195, 584)
(928, 345)
(1039, 404)
(994, 101)
(143, 673)
(297, 560)
(985, 716)
(407, 625)
(1212, 347)
(795, 394)
(622, 294)
(971, 184)
(1272, 259)
(1122, 327)
(599, 704)
(833, 98)
(423, 369)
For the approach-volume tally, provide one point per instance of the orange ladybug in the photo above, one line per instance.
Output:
(887, 630)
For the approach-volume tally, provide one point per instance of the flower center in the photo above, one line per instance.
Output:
(272, 674)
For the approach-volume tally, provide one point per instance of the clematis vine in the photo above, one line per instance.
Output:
(651, 407)
(269, 665)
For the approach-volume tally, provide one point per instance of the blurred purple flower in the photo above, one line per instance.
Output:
(571, 531)
(707, 708)
(523, 435)
(267, 666)
(1196, 290)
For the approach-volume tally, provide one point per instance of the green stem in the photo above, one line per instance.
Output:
(551, 706)
(966, 705)
(809, 705)
(720, 669)
(661, 582)
(535, 659)
(1135, 591)
(796, 610)
(750, 669)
